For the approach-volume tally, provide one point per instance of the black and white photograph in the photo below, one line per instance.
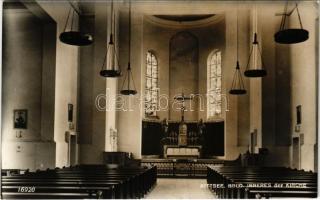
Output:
(159, 99)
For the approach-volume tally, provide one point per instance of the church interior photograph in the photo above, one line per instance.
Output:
(159, 99)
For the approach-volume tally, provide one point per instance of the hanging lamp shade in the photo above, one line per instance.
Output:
(110, 68)
(290, 35)
(128, 79)
(126, 88)
(72, 37)
(256, 72)
(237, 86)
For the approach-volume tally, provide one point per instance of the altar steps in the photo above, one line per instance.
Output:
(182, 168)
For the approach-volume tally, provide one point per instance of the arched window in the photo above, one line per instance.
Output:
(214, 84)
(151, 87)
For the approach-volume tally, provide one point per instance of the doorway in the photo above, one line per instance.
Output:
(296, 153)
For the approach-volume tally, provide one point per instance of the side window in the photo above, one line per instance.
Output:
(151, 87)
(214, 84)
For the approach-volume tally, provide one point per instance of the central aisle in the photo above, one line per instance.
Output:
(169, 188)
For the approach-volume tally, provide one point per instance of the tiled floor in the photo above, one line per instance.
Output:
(169, 188)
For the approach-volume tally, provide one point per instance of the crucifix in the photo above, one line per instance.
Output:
(183, 130)
(182, 99)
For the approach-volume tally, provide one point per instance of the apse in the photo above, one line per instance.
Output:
(184, 56)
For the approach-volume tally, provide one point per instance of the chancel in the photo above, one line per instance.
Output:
(159, 99)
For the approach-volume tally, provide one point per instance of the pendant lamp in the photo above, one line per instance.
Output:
(257, 72)
(126, 89)
(290, 35)
(237, 86)
(110, 67)
(72, 37)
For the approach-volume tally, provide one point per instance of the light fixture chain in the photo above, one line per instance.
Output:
(116, 56)
(284, 17)
(134, 85)
(129, 70)
(129, 33)
(112, 37)
(299, 16)
(72, 20)
(111, 17)
(105, 58)
(233, 80)
(125, 78)
(237, 35)
(242, 83)
(249, 58)
(65, 26)
(260, 52)
(237, 79)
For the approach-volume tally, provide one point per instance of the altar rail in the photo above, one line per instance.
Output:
(186, 168)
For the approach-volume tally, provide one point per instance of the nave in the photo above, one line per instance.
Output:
(128, 182)
(180, 188)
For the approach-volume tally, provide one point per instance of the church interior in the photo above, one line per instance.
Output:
(97, 100)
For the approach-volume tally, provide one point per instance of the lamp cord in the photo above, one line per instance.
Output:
(129, 26)
(237, 36)
(299, 16)
(237, 75)
(112, 19)
(105, 56)
(114, 41)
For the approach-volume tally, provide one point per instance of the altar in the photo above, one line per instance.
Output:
(176, 151)
(182, 149)
(182, 139)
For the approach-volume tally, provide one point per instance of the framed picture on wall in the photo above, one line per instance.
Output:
(298, 110)
(70, 112)
(20, 118)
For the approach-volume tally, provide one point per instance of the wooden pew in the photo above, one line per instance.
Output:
(141, 183)
(81, 182)
(107, 188)
(56, 191)
(263, 182)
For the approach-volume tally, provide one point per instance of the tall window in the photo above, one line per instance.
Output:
(214, 84)
(151, 90)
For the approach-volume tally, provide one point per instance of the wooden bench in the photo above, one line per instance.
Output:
(81, 182)
(261, 182)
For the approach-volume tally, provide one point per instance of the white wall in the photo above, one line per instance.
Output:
(268, 107)
(291, 81)
(303, 88)
(222, 35)
(95, 123)
(22, 77)
(67, 57)
(237, 118)
(129, 121)
(28, 84)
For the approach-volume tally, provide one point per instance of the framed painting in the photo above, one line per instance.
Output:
(298, 111)
(20, 119)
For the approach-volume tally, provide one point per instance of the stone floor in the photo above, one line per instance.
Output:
(170, 188)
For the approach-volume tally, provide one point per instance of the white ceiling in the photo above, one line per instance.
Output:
(179, 7)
